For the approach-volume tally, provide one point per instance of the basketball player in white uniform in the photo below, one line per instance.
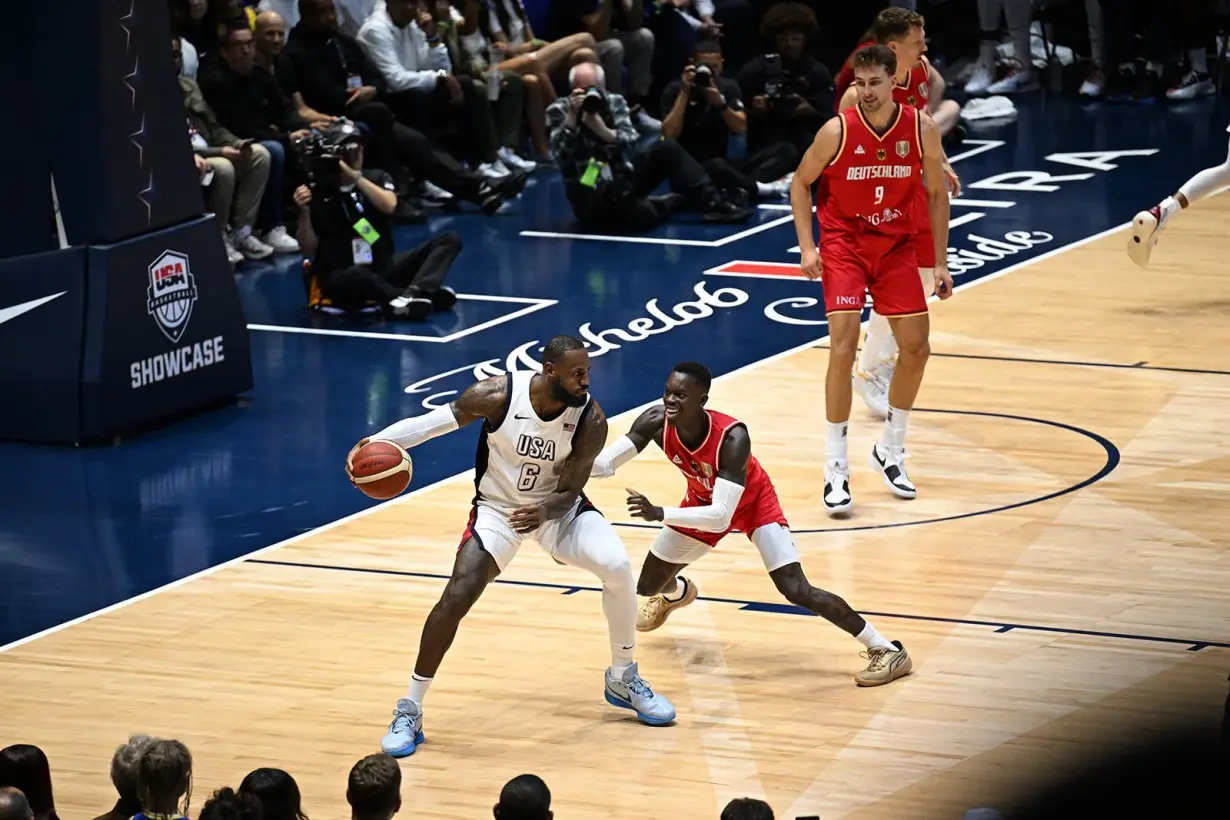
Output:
(541, 434)
(1147, 225)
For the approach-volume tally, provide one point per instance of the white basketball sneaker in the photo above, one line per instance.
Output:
(631, 691)
(406, 731)
(890, 463)
(1146, 226)
(837, 497)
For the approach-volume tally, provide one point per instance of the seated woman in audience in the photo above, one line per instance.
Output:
(125, 772)
(508, 37)
(25, 767)
(165, 777)
(277, 791)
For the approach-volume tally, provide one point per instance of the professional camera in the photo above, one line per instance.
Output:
(322, 153)
(702, 77)
(594, 101)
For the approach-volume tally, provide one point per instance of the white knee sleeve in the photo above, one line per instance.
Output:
(1207, 181)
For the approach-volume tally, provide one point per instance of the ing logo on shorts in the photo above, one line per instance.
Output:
(171, 293)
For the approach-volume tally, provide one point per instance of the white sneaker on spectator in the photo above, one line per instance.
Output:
(250, 247)
(280, 241)
(1094, 84)
(232, 254)
(1017, 81)
(492, 170)
(434, 193)
(1192, 85)
(780, 188)
(981, 81)
(645, 123)
(510, 159)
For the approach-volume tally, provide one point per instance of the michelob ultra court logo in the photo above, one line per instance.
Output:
(171, 293)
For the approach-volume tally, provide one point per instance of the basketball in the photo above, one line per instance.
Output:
(381, 469)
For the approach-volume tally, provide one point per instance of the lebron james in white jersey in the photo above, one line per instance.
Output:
(540, 436)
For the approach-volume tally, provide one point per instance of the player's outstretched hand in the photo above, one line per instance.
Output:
(813, 267)
(527, 519)
(641, 507)
(350, 457)
(951, 179)
(943, 282)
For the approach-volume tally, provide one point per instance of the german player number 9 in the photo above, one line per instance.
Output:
(528, 477)
(879, 194)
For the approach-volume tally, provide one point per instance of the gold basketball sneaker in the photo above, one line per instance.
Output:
(1146, 227)
(885, 666)
(655, 610)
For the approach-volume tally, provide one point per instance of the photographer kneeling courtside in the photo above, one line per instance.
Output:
(608, 180)
(346, 231)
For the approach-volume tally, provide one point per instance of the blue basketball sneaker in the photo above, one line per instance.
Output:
(406, 730)
(631, 691)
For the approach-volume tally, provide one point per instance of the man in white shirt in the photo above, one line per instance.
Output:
(351, 14)
(403, 41)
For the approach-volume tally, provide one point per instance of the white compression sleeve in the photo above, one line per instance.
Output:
(621, 451)
(414, 431)
(712, 518)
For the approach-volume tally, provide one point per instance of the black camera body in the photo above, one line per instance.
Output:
(321, 163)
(594, 101)
(702, 77)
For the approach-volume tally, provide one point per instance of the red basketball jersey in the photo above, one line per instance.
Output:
(914, 92)
(700, 466)
(873, 181)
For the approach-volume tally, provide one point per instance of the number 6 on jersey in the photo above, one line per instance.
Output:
(528, 477)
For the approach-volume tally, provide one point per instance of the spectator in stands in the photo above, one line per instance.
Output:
(240, 173)
(228, 804)
(14, 806)
(220, 17)
(1137, 46)
(525, 797)
(402, 39)
(747, 808)
(344, 228)
(248, 101)
(186, 26)
(164, 780)
(373, 789)
(269, 37)
(25, 767)
(608, 182)
(125, 769)
(618, 28)
(334, 77)
(277, 792)
(678, 25)
(904, 33)
(703, 109)
(1195, 24)
(789, 94)
(351, 14)
(504, 90)
(1020, 76)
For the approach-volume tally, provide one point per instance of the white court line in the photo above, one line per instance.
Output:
(531, 305)
(981, 147)
(469, 474)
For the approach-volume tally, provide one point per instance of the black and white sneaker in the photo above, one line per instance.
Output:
(837, 498)
(411, 305)
(891, 465)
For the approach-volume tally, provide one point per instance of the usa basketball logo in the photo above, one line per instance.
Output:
(171, 294)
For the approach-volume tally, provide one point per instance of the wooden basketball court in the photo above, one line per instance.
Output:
(1041, 632)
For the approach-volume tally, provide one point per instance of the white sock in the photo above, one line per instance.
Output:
(879, 334)
(681, 587)
(893, 436)
(621, 659)
(418, 689)
(835, 449)
(872, 639)
(1167, 208)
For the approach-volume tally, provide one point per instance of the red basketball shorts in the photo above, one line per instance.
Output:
(758, 506)
(859, 261)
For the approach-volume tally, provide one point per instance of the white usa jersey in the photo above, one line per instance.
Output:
(519, 460)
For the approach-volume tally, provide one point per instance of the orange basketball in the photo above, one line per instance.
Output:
(381, 469)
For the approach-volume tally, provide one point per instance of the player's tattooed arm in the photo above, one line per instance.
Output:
(647, 428)
(574, 472)
(483, 400)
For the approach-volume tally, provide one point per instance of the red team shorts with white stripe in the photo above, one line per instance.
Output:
(858, 261)
(758, 507)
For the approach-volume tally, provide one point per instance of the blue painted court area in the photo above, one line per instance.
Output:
(84, 529)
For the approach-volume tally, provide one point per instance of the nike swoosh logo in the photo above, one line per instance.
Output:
(9, 313)
(521, 418)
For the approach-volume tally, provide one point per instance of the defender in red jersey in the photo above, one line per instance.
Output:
(918, 85)
(869, 159)
(727, 490)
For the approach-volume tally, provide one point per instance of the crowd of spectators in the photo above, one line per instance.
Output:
(460, 102)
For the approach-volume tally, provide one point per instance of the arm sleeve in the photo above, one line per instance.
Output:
(414, 431)
(621, 451)
(715, 517)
